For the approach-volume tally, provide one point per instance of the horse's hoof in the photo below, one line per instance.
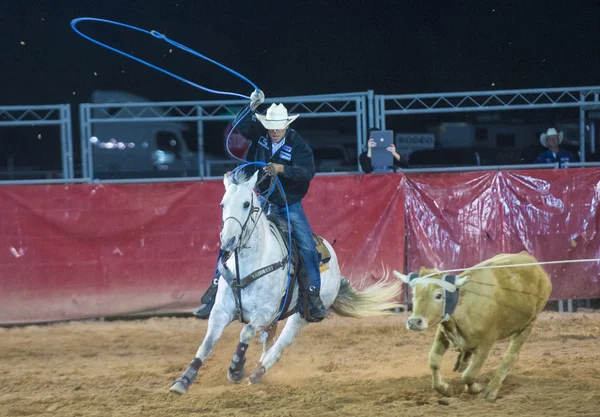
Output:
(178, 388)
(236, 376)
(489, 394)
(445, 389)
(474, 388)
(256, 375)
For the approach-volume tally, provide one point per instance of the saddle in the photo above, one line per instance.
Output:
(323, 252)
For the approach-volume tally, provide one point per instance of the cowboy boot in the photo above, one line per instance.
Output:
(208, 299)
(317, 310)
(314, 305)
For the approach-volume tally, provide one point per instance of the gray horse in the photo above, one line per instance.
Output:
(258, 248)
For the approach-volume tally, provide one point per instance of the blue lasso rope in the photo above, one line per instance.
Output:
(159, 35)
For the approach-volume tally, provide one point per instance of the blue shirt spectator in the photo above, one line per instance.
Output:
(551, 140)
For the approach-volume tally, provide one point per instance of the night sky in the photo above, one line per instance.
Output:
(290, 49)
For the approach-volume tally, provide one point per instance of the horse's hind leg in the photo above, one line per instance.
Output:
(218, 320)
(261, 319)
(292, 328)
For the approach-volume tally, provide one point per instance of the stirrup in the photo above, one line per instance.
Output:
(203, 312)
(211, 293)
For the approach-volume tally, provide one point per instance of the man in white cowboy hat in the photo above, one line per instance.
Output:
(291, 159)
(551, 140)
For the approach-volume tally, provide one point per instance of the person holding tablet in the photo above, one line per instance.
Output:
(381, 155)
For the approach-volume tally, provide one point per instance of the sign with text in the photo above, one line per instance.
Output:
(406, 143)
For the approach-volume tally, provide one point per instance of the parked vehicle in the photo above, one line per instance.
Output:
(133, 149)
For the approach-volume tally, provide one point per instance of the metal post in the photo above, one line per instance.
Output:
(371, 108)
(69, 140)
(593, 136)
(382, 113)
(376, 103)
(365, 127)
(83, 121)
(88, 143)
(63, 144)
(200, 127)
(360, 116)
(561, 307)
(582, 129)
(570, 306)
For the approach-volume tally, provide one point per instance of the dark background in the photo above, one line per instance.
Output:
(288, 48)
(292, 49)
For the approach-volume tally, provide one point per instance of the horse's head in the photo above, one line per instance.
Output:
(239, 204)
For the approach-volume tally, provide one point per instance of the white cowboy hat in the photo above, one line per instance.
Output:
(551, 132)
(276, 117)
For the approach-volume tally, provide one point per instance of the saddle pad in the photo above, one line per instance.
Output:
(324, 254)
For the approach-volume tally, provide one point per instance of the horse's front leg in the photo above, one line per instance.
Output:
(293, 326)
(220, 317)
(259, 320)
(269, 341)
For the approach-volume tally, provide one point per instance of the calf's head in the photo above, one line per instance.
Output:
(428, 298)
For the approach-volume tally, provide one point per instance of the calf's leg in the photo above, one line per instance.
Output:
(440, 345)
(508, 361)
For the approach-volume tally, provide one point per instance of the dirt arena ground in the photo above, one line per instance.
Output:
(341, 367)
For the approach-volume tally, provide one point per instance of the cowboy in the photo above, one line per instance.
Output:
(551, 140)
(291, 159)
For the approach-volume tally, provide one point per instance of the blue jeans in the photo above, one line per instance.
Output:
(302, 235)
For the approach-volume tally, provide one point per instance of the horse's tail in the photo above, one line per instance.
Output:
(373, 301)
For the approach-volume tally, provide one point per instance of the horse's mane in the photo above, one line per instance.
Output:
(239, 177)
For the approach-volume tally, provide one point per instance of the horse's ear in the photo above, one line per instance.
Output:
(252, 181)
(227, 180)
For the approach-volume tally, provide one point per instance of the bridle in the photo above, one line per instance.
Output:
(253, 209)
(241, 244)
(235, 281)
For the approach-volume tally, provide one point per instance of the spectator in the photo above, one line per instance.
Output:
(365, 157)
(551, 140)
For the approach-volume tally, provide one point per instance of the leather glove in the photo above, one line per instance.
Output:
(256, 99)
(273, 169)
